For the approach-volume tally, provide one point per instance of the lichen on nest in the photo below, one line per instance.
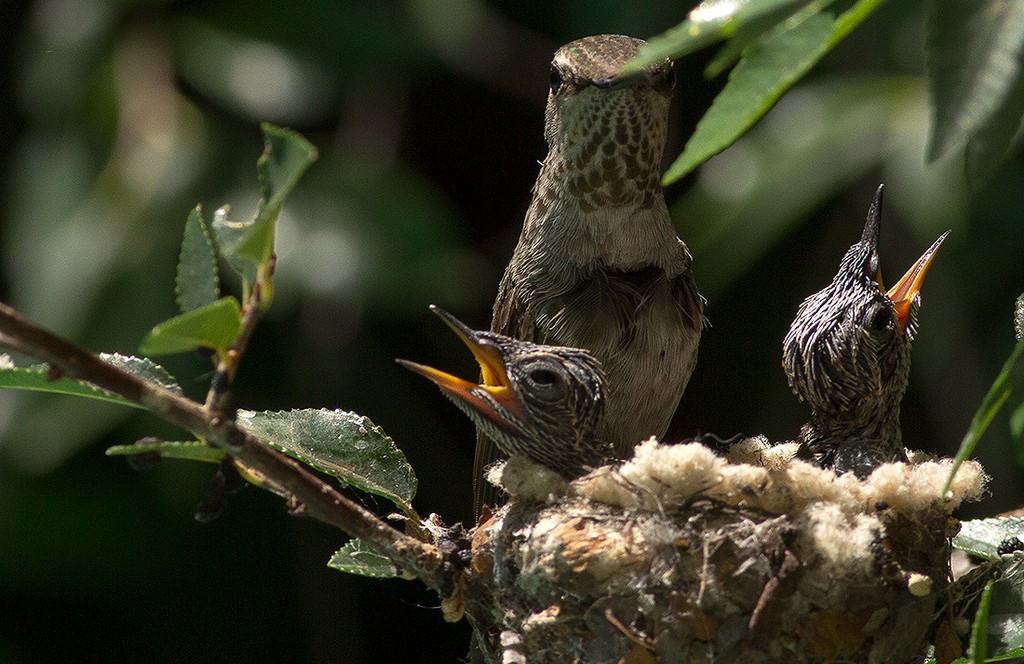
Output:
(754, 474)
(702, 557)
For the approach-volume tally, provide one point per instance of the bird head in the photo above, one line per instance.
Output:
(542, 402)
(607, 128)
(848, 350)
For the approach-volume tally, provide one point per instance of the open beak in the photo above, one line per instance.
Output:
(494, 376)
(906, 289)
(869, 239)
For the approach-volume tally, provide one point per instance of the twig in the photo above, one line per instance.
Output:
(217, 397)
(321, 500)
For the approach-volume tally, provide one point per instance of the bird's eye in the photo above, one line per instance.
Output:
(670, 79)
(543, 377)
(879, 317)
(545, 381)
(555, 79)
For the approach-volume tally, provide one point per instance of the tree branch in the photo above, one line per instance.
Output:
(321, 500)
(217, 397)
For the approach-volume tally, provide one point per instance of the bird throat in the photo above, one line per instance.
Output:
(605, 150)
(599, 188)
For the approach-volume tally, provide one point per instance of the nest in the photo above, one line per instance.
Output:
(681, 555)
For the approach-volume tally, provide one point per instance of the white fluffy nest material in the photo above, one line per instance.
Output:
(759, 545)
(754, 475)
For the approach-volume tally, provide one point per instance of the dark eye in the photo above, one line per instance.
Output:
(879, 317)
(545, 381)
(544, 377)
(555, 79)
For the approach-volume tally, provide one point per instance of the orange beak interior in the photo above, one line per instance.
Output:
(903, 293)
(494, 376)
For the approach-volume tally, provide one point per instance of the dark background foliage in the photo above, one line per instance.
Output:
(117, 117)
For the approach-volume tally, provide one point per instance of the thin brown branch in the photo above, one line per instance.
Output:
(217, 397)
(321, 500)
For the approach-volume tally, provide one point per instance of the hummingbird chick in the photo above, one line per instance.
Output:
(598, 265)
(847, 354)
(545, 403)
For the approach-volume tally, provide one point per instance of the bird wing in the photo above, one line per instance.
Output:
(581, 316)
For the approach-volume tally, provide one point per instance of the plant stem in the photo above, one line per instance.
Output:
(320, 499)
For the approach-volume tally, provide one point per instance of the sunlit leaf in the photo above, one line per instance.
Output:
(355, 558)
(975, 59)
(982, 537)
(765, 185)
(285, 158)
(994, 593)
(197, 283)
(37, 378)
(713, 21)
(768, 68)
(339, 443)
(213, 326)
(1004, 625)
(979, 636)
(189, 450)
(246, 245)
(143, 367)
(990, 405)
(229, 233)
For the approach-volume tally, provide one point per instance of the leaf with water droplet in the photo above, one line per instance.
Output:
(340, 443)
(982, 537)
(355, 558)
(39, 378)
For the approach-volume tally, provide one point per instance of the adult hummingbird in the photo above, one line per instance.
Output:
(598, 265)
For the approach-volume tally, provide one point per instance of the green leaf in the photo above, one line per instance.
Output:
(992, 143)
(1004, 624)
(733, 49)
(197, 283)
(982, 537)
(229, 232)
(713, 21)
(355, 558)
(213, 326)
(144, 368)
(190, 450)
(761, 188)
(769, 67)
(979, 630)
(975, 57)
(1017, 425)
(35, 378)
(248, 244)
(341, 444)
(990, 405)
(285, 158)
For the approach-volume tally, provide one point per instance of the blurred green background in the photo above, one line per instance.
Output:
(117, 117)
